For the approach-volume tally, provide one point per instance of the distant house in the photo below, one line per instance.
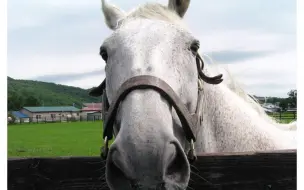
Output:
(20, 117)
(94, 116)
(51, 113)
(91, 111)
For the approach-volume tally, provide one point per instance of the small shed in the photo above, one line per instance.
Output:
(92, 116)
(91, 111)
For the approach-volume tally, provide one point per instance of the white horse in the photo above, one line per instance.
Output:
(148, 151)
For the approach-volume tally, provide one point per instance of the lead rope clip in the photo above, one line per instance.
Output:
(105, 149)
(191, 154)
(200, 84)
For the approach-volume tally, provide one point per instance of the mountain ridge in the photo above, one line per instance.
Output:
(37, 93)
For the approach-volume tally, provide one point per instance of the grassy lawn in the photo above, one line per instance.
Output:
(286, 117)
(55, 139)
(282, 114)
(60, 139)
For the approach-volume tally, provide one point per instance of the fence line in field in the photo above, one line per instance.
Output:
(57, 119)
(280, 116)
(286, 116)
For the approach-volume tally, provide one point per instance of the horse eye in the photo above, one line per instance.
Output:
(103, 53)
(195, 46)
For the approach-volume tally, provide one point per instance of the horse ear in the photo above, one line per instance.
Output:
(112, 14)
(179, 6)
(97, 91)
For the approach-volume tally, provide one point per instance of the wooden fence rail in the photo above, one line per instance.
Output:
(246, 171)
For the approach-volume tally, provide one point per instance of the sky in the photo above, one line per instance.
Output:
(58, 40)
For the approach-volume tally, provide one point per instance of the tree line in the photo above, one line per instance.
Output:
(285, 103)
(23, 93)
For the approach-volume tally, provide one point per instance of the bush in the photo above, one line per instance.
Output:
(13, 118)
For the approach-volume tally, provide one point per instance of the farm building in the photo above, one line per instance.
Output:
(20, 117)
(52, 113)
(91, 111)
(94, 116)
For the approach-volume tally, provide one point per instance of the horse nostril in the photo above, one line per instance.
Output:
(178, 168)
(115, 169)
(131, 170)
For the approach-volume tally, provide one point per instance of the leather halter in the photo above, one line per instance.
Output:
(188, 120)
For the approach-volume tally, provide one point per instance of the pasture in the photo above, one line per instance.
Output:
(64, 139)
(284, 117)
(55, 139)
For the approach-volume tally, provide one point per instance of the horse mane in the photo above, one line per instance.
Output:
(235, 87)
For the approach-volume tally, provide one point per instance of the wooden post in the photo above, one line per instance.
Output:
(294, 115)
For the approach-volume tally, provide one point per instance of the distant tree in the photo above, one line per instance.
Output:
(292, 96)
(283, 105)
(32, 100)
(22, 93)
(14, 101)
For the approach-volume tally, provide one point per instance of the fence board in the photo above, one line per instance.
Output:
(250, 171)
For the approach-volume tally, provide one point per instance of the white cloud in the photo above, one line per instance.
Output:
(30, 66)
(245, 40)
(86, 83)
(59, 36)
(267, 76)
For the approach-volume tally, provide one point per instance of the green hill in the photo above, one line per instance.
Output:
(35, 93)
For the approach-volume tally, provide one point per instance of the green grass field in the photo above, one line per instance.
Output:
(58, 139)
(55, 139)
(286, 117)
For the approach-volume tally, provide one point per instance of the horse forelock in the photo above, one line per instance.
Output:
(154, 11)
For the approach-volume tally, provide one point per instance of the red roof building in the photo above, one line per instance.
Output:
(90, 110)
(91, 107)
